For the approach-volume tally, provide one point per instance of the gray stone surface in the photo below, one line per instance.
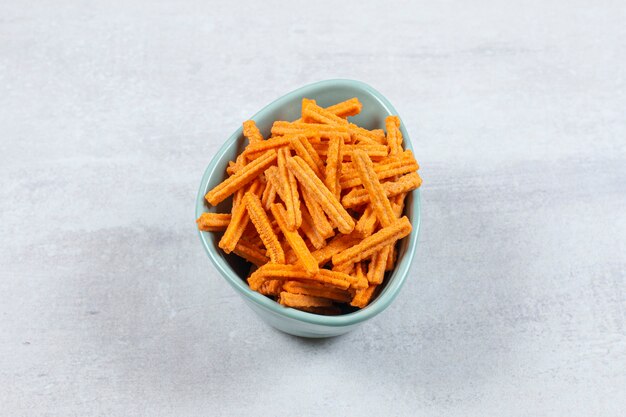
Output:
(110, 111)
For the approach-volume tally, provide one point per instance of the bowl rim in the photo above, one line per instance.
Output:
(392, 288)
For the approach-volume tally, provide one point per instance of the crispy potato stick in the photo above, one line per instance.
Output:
(379, 201)
(256, 150)
(301, 300)
(304, 150)
(273, 178)
(367, 223)
(383, 171)
(404, 184)
(273, 287)
(376, 271)
(394, 136)
(347, 108)
(247, 174)
(311, 112)
(250, 253)
(320, 221)
(295, 240)
(338, 244)
(317, 290)
(310, 229)
(368, 246)
(318, 190)
(213, 222)
(359, 134)
(398, 207)
(252, 132)
(363, 297)
(290, 187)
(297, 273)
(238, 222)
(333, 166)
(263, 226)
(346, 268)
(309, 130)
(374, 150)
(269, 196)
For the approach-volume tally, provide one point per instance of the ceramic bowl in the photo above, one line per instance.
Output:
(234, 270)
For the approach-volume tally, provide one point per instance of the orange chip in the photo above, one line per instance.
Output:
(368, 246)
(310, 130)
(290, 187)
(311, 112)
(252, 132)
(272, 287)
(269, 196)
(301, 300)
(384, 169)
(310, 229)
(338, 244)
(379, 201)
(376, 271)
(363, 297)
(263, 226)
(250, 252)
(295, 240)
(404, 184)
(297, 272)
(333, 166)
(247, 174)
(238, 222)
(367, 223)
(319, 219)
(213, 222)
(317, 290)
(347, 108)
(304, 150)
(318, 190)
(394, 136)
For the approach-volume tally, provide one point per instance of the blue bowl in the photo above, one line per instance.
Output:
(234, 270)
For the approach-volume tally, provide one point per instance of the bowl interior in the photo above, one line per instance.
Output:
(375, 109)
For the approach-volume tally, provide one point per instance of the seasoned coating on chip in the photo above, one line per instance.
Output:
(263, 226)
(213, 222)
(252, 132)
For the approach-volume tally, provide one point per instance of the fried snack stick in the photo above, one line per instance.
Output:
(282, 128)
(213, 222)
(302, 301)
(250, 253)
(379, 201)
(239, 179)
(263, 226)
(383, 171)
(272, 287)
(359, 134)
(269, 196)
(273, 177)
(347, 108)
(318, 190)
(252, 132)
(238, 222)
(317, 290)
(311, 112)
(367, 223)
(373, 150)
(357, 197)
(258, 149)
(310, 229)
(398, 207)
(297, 273)
(304, 150)
(370, 245)
(333, 166)
(338, 244)
(394, 136)
(290, 190)
(363, 297)
(376, 271)
(319, 219)
(295, 240)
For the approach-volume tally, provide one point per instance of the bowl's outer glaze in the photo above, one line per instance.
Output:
(234, 270)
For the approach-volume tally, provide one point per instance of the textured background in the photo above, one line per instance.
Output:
(110, 111)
